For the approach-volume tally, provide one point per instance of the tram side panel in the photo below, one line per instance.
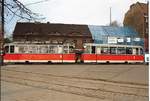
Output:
(110, 58)
(135, 58)
(119, 58)
(88, 58)
(69, 58)
(55, 58)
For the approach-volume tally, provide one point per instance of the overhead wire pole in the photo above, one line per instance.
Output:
(110, 16)
(2, 34)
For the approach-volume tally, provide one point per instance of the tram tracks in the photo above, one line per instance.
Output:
(76, 85)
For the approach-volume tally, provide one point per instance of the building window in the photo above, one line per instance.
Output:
(146, 19)
(146, 30)
(84, 41)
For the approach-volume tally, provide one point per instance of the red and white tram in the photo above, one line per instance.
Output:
(93, 53)
(105, 53)
(39, 53)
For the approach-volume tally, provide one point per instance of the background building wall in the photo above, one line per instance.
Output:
(137, 18)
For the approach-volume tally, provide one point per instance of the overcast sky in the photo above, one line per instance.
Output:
(93, 12)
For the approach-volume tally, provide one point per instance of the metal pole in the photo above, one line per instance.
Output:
(110, 16)
(2, 34)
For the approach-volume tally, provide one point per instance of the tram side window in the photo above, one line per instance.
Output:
(135, 51)
(104, 50)
(128, 50)
(33, 49)
(53, 49)
(60, 49)
(11, 49)
(141, 51)
(71, 49)
(43, 49)
(7, 49)
(112, 50)
(87, 49)
(121, 50)
(98, 50)
(22, 49)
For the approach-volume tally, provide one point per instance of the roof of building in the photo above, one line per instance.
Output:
(50, 28)
(100, 33)
(55, 28)
(143, 7)
(112, 31)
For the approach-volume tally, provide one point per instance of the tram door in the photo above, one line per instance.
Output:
(93, 49)
(78, 56)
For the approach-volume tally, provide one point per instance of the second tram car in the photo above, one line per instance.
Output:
(54, 53)
(106, 53)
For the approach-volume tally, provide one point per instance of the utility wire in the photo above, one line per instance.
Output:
(36, 2)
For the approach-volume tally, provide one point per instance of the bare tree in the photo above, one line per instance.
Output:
(10, 9)
(14, 8)
(115, 23)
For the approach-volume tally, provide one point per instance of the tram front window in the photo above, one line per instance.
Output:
(11, 49)
(7, 49)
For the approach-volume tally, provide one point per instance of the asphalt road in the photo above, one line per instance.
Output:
(74, 82)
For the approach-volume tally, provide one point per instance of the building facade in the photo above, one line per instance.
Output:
(137, 18)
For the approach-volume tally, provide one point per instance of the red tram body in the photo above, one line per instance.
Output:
(93, 53)
(115, 56)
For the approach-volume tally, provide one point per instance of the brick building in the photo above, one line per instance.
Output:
(137, 18)
(52, 33)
